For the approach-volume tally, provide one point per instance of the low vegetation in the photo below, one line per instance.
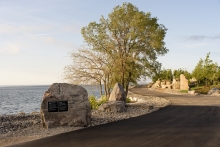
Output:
(216, 86)
(96, 103)
(202, 90)
(184, 91)
(128, 100)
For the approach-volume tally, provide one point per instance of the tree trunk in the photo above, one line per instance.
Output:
(127, 84)
(100, 87)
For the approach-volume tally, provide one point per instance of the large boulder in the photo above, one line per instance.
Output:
(113, 106)
(156, 85)
(118, 93)
(65, 104)
(183, 83)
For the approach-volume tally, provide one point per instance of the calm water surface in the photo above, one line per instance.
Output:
(15, 99)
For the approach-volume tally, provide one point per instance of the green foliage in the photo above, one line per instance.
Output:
(103, 100)
(206, 71)
(128, 100)
(215, 86)
(178, 72)
(96, 103)
(203, 90)
(165, 74)
(131, 41)
(93, 102)
(184, 91)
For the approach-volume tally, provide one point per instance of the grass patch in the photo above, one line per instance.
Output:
(194, 88)
(184, 91)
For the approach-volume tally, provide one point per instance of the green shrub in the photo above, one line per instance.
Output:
(128, 100)
(184, 91)
(203, 90)
(96, 103)
(103, 100)
(215, 86)
(93, 102)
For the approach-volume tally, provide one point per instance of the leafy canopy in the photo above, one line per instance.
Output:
(131, 41)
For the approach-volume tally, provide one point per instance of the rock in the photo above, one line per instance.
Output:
(65, 104)
(113, 106)
(133, 99)
(157, 84)
(214, 92)
(177, 85)
(173, 83)
(167, 82)
(183, 83)
(191, 92)
(163, 83)
(118, 93)
(150, 85)
(163, 86)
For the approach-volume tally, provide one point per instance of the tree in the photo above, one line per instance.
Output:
(178, 72)
(198, 72)
(132, 39)
(207, 71)
(89, 67)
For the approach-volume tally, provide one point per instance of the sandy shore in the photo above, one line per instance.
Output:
(21, 128)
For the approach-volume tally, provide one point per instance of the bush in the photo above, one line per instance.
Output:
(93, 102)
(103, 100)
(203, 90)
(215, 86)
(96, 103)
(128, 100)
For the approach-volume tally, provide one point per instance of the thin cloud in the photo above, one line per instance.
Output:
(72, 28)
(24, 29)
(45, 34)
(10, 49)
(191, 45)
(201, 37)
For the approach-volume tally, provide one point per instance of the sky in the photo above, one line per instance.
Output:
(36, 37)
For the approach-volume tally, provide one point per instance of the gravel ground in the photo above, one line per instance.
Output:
(25, 127)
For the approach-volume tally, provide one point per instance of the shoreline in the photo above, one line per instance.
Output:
(30, 128)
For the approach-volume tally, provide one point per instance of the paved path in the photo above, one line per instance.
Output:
(182, 124)
(180, 99)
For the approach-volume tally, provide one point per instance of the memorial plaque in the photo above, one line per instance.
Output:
(63, 106)
(52, 106)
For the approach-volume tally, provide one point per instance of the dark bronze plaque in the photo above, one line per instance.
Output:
(63, 106)
(52, 106)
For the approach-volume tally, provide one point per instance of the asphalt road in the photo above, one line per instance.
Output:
(188, 122)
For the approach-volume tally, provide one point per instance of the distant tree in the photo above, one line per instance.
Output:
(178, 72)
(132, 39)
(206, 71)
(198, 72)
(214, 73)
(164, 74)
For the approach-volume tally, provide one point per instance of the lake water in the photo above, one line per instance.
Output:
(15, 99)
